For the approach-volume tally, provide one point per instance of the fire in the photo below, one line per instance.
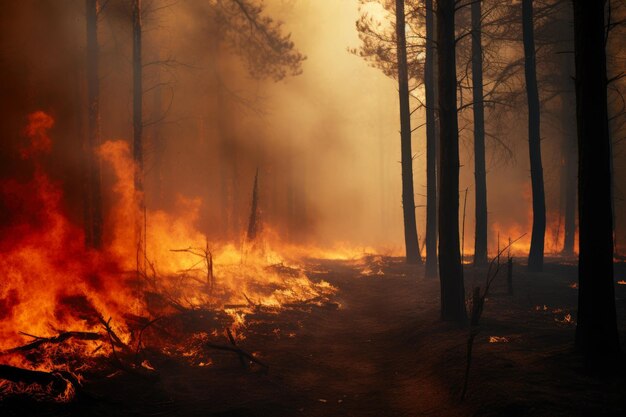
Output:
(554, 234)
(50, 280)
(53, 285)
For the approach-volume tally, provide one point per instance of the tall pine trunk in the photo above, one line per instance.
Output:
(93, 220)
(596, 330)
(408, 198)
(535, 257)
(431, 144)
(450, 267)
(480, 172)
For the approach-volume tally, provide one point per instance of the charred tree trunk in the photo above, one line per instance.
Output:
(93, 220)
(408, 198)
(137, 97)
(535, 257)
(253, 222)
(569, 179)
(596, 330)
(450, 267)
(431, 144)
(480, 171)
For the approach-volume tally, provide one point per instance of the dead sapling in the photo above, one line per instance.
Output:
(207, 258)
(478, 302)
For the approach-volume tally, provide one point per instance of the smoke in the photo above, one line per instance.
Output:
(325, 142)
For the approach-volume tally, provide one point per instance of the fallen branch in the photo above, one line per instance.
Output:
(117, 362)
(242, 354)
(60, 338)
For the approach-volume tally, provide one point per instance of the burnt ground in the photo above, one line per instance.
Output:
(383, 352)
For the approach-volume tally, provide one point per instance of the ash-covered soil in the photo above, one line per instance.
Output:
(383, 352)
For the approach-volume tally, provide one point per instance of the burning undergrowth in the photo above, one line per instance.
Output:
(70, 314)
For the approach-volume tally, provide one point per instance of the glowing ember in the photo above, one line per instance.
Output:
(567, 319)
(498, 339)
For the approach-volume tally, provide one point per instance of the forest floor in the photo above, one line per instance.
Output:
(384, 352)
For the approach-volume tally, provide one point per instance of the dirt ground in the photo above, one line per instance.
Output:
(384, 352)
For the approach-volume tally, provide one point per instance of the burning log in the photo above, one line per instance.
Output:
(60, 384)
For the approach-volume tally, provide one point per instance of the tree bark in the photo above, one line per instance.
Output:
(431, 144)
(596, 330)
(480, 172)
(408, 198)
(535, 257)
(93, 220)
(450, 267)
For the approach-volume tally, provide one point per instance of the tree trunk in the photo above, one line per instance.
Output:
(93, 220)
(570, 155)
(431, 145)
(137, 97)
(408, 198)
(596, 330)
(253, 222)
(535, 257)
(480, 172)
(450, 267)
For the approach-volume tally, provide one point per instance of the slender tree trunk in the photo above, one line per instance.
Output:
(253, 222)
(450, 267)
(93, 221)
(535, 257)
(408, 198)
(570, 155)
(137, 97)
(480, 171)
(431, 144)
(596, 330)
